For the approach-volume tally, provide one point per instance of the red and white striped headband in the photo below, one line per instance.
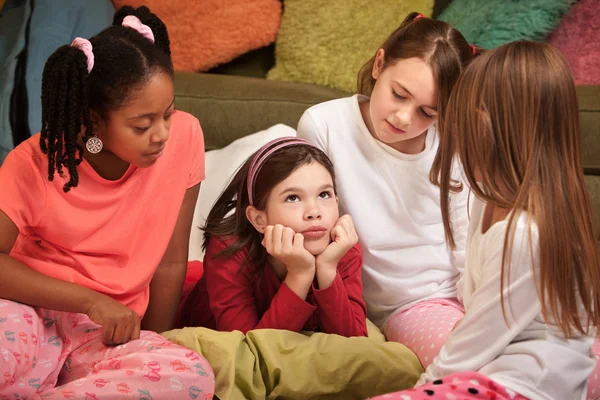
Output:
(263, 155)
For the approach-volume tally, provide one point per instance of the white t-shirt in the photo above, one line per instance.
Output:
(394, 206)
(529, 356)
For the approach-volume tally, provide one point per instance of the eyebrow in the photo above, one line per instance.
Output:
(295, 189)
(151, 114)
(407, 91)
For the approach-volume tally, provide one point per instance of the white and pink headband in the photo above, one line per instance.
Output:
(263, 154)
(130, 21)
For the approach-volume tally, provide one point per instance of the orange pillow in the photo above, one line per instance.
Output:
(206, 33)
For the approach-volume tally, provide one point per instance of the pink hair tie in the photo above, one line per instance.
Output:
(85, 46)
(419, 16)
(473, 49)
(133, 22)
(264, 153)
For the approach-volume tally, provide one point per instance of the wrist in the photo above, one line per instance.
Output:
(325, 277)
(90, 300)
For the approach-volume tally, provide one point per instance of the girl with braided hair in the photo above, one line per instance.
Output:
(95, 217)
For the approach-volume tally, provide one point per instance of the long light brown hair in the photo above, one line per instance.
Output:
(227, 219)
(437, 43)
(513, 117)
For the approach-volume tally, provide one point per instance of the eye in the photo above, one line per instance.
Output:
(292, 198)
(325, 195)
(427, 115)
(141, 129)
(396, 95)
(168, 116)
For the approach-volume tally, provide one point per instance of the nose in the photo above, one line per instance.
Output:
(404, 115)
(162, 133)
(312, 211)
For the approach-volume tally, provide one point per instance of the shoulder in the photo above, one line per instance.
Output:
(26, 159)
(333, 108)
(331, 121)
(216, 245)
(184, 124)
(523, 242)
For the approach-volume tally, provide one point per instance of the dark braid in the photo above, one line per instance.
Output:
(123, 62)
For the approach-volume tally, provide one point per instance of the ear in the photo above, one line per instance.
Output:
(337, 200)
(96, 122)
(257, 218)
(378, 63)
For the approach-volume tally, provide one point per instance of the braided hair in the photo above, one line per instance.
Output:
(123, 61)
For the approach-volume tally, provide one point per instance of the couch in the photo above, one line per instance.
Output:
(233, 106)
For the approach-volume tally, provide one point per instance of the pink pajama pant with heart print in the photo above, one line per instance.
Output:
(424, 327)
(58, 355)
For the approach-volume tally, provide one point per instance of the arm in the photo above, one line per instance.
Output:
(167, 282)
(232, 300)
(483, 334)
(459, 220)
(340, 307)
(20, 283)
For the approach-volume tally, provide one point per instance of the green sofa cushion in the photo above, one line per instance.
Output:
(326, 42)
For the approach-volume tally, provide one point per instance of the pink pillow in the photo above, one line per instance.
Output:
(206, 33)
(577, 38)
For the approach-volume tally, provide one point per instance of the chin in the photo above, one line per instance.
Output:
(316, 248)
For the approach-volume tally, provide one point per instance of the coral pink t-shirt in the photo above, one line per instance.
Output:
(109, 236)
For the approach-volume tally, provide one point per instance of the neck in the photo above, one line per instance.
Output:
(492, 215)
(107, 165)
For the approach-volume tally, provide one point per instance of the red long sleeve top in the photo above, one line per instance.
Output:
(239, 299)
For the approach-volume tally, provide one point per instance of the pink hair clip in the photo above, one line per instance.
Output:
(419, 16)
(85, 46)
(473, 49)
(133, 22)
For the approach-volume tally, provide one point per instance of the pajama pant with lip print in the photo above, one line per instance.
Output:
(424, 327)
(58, 355)
(460, 386)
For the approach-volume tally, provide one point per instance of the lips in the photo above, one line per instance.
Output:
(395, 130)
(156, 154)
(314, 232)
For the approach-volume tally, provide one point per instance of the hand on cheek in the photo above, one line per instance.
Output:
(343, 238)
(287, 246)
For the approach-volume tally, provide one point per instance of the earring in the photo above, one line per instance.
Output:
(94, 144)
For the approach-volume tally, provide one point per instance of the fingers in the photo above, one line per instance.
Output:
(338, 233)
(135, 333)
(268, 239)
(127, 333)
(348, 224)
(107, 337)
(287, 240)
(277, 239)
(119, 333)
(298, 241)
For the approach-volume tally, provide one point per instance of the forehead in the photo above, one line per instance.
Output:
(307, 176)
(155, 95)
(416, 76)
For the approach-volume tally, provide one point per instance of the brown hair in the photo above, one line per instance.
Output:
(227, 219)
(441, 46)
(513, 117)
